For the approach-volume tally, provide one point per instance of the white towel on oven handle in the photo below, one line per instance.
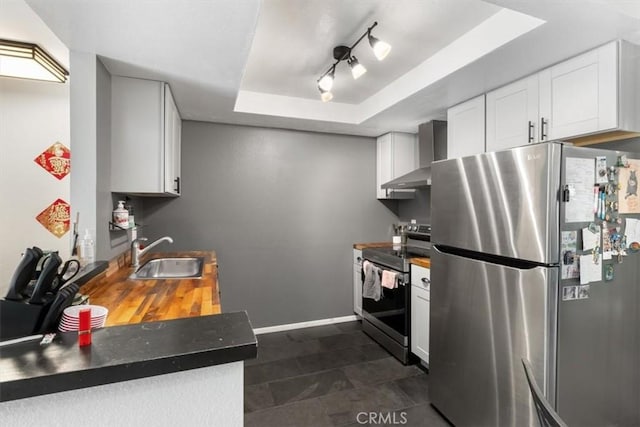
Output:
(371, 287)
(389, 279)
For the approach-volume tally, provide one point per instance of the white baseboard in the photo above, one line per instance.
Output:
(290, 326)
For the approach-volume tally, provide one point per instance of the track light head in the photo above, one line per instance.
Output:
(357, 69)
(325, 95)
(380, 49)
(326, 81)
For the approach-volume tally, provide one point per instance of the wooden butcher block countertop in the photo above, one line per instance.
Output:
(371, 245)
(135, 301)
(422, 262)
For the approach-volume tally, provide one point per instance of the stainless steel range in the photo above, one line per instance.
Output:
(388, 320)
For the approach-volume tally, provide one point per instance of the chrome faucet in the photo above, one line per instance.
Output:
(136, 252)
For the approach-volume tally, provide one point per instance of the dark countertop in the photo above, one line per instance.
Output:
(122, 353)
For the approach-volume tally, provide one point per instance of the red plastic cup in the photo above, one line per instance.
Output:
(84, 327)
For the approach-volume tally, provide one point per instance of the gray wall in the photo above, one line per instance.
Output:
(632, 144)
(282, 209)
(418, 208)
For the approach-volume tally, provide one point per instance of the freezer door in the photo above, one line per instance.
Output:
(484, 319)
(503, 203)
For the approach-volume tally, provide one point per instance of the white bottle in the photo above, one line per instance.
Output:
(87, 249)
(121, 216)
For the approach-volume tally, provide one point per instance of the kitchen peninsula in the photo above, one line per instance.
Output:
(169, 350)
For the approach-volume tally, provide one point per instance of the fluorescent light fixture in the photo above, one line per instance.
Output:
(29, 61)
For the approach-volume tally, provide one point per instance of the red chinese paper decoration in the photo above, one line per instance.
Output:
(56, 218)
(56, 160)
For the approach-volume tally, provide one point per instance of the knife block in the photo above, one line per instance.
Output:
(19, 319)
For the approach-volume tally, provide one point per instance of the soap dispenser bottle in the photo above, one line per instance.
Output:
(87, 249)
(121, 216)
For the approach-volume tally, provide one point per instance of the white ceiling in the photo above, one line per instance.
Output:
(256, 62)
(293, 47)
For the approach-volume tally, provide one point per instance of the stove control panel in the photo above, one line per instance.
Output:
(419, 231)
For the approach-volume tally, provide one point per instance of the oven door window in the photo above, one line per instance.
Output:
(391, 309)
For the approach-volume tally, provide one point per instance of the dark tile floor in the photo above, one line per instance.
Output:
(333, 375)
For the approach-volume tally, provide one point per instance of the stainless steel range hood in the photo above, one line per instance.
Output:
(432, 145)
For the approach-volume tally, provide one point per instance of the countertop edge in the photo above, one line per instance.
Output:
(422, 262)
(361, 246)
(242, 347)
(57, 383)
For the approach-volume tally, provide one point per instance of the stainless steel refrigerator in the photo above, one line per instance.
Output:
(508, 249)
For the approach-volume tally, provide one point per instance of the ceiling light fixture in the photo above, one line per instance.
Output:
(29, 61)
(325, 95)
(326, 82)
(357, 69)
(343, 53)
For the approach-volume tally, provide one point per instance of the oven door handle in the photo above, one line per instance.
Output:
(403, 278)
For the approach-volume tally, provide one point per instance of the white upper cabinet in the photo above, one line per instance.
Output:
(172, 146)
(592, 93)
(145, 138)
(396, 156)
(465, 128)
(512, 115)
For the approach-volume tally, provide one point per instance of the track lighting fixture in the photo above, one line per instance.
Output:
(343, 53)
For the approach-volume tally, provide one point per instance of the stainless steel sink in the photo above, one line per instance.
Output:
(170, 268)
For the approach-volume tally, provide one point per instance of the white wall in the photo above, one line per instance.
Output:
(33, 115)
(211, 396)
(83, 134)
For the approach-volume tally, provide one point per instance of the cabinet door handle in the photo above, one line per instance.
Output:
(530, 134)
(543, 123)
(177, 181)
(358, 259)
(426, 281)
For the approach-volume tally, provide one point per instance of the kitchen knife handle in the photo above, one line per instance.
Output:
(530, 131)
(45, 281)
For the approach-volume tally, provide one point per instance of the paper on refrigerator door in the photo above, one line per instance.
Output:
(590, 239)
(632, 230)
(629, 194)
(580, 177)
(569, 249)
(590, 271)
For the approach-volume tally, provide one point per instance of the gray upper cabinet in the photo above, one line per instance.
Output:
(145, 138)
